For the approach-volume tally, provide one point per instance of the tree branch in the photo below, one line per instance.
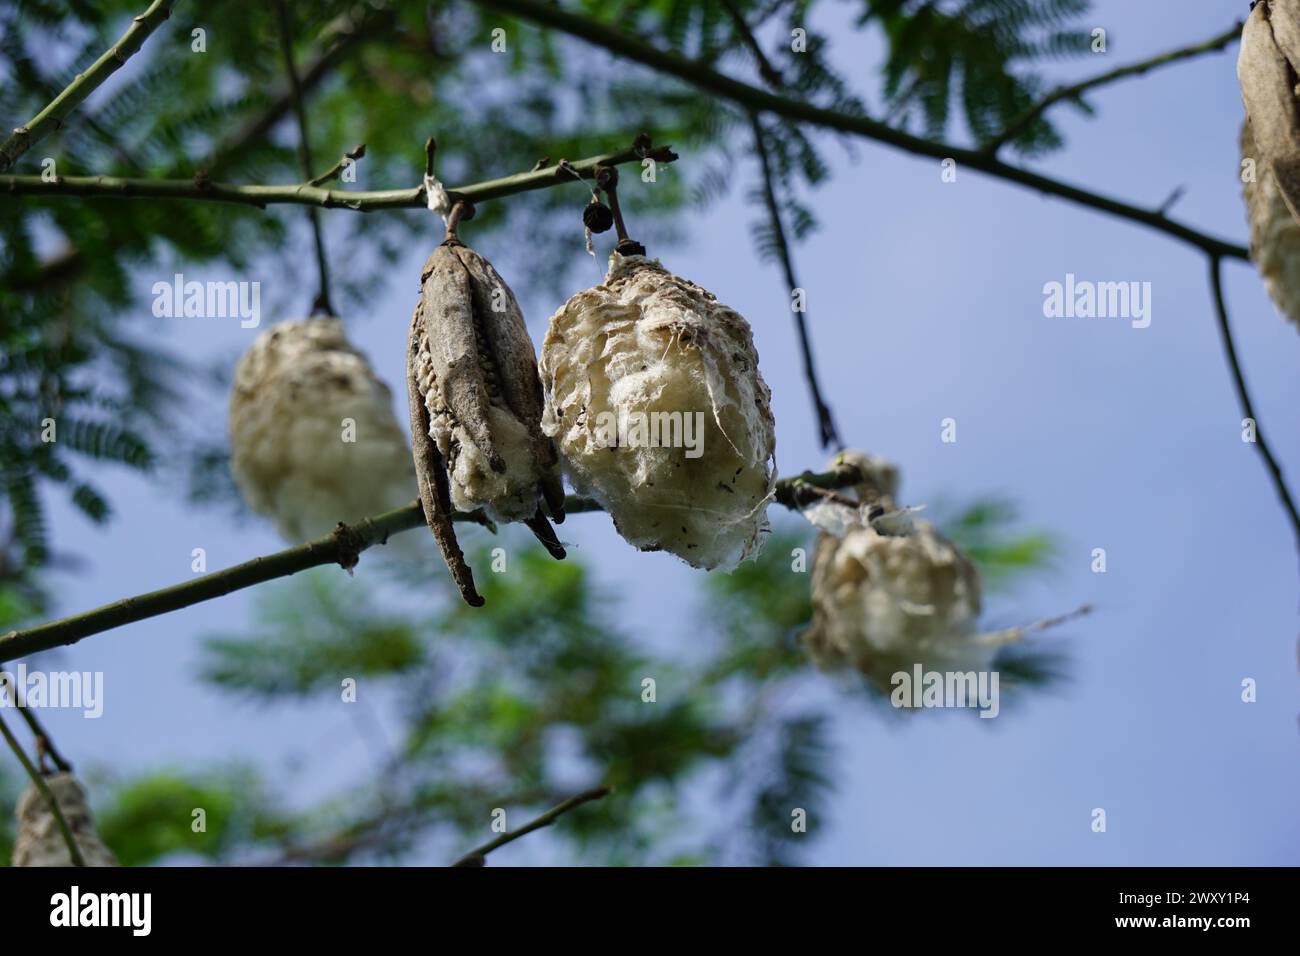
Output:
(51, 118)
(74, 851)
(305, 194)
(825, 420)
(1074, 91)
(351, 156)
(704, 77)
(478, 856)
(770, 74)
(322, 305)
(1239, 382)
(343, 546)
(44, 742)
(827, 432)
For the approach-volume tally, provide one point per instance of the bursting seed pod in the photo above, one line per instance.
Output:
(1274, 233)
(654, 397)
(40, 841)
(888, 590)
(476, 404)
(1266, 69)
(312, 433)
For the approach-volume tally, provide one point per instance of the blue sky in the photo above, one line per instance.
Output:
(926, 302)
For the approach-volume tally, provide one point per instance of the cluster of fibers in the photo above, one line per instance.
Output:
(643, 342)
(892, 592)
(293, 390)
(40, 842)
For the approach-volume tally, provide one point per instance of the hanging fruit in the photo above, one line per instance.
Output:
(888, 590)
(476, 404)
(313, 437)
(1266, 69)
(40, 840)
(654, 397)
(1274, 232)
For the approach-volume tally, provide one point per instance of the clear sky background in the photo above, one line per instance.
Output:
(926, 303)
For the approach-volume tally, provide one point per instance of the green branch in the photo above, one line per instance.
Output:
(753, 98)
(343, 546)
(51, 118)
(1076, 90)
(74, 851)
(305, 194)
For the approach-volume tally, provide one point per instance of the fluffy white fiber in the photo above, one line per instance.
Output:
(293, 389)
(645, 342)
(506, 496)
(40, 842)
(888, 590)
(1274, 234)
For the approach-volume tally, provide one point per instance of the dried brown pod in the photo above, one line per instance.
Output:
(476, 404)
(1267, 70)
(654, 397)
(1274, 232)
(40, 841)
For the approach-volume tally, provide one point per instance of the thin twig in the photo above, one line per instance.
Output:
(351, 156)
(322, 304)
(825, 420)
(770, 74)
(431, 155)
(1072, 92)
(826, 429)
(1239, 381)
(38, 781)
(51, 118)
(342, 546)
(751, 97)
(1012, 635)
(1173, 197)
(376, 831)
(305, 194)
(478, 856)
(44, 742)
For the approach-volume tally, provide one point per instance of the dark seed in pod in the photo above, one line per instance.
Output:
(597, 217)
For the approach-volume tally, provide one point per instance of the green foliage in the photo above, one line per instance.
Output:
(314, 630)
(977, 53)
(759, 612)
(541, 693)
(519, 704)
(153, 816)
(985, 530)
(798, 781)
